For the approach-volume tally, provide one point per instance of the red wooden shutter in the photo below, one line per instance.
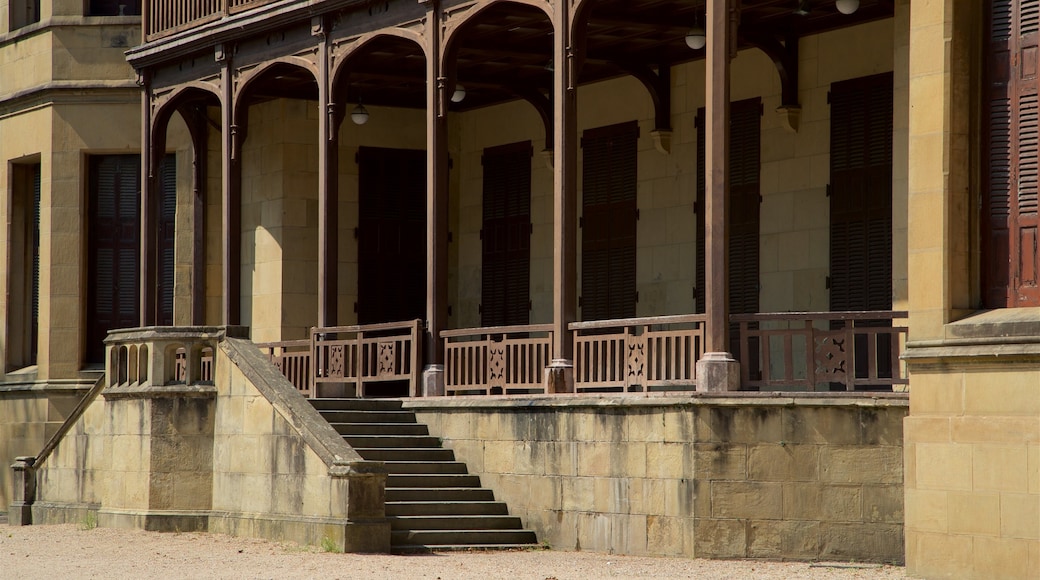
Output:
(114, 248)
(608, 239)
(167, 234)
(505, 277)
(391, 235)
(1011, 263)
(861, 194)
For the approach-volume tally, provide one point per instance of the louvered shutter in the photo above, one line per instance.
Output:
(114, 245)
(34, 323)
(506, 233)
(861, 194)
(167, 233)
(391, 235)
(1011, 263)
(744, 207)
(608, 255)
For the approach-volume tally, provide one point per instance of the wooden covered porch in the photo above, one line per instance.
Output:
(453, 58)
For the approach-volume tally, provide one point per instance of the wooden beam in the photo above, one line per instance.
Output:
(147, 295)
(231, 195)
(328, 185)
(437, 98)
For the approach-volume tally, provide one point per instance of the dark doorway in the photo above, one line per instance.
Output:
(506, 235)
(608, 223)
(391, 235)
(114, 246)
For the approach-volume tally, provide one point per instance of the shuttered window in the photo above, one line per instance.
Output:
(34, 323)
(1010, 260)
(114, 245)
(506, 235)
(744, 203)
(113, 7)
(167, 234)
(861, 194)
(608, 234)
(391, 235)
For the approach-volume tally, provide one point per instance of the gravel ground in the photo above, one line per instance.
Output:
(69, 551)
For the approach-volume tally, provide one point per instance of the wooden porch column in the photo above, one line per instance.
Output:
(717, 370)
(147, 294)
(328, 187)
(436, 205)
(560, 374)
(231, 195)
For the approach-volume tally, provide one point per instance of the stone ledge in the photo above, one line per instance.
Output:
(727, 399)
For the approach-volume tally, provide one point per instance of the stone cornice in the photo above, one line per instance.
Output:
(68, 92)
(67, 22)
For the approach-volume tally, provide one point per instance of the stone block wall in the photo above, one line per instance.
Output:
(29, 415)
(804, 477)
(247, 456)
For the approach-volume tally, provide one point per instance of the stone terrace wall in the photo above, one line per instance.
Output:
(29, 414)
(803, 477)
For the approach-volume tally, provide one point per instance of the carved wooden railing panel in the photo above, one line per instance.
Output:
(355, 355)
(496, 360)
(293, 359)
(638, 354)
(820, 350)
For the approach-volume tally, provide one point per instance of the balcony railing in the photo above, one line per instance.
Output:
(821, 350)
(496, 360)
(165, 17)
(347, 358)
(638, 354)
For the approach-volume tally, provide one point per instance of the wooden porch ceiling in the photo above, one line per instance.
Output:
(507, 49)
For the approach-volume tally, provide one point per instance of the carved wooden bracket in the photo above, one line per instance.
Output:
(785, 57)
(659, 84)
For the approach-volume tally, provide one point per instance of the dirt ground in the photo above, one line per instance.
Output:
(72, 551)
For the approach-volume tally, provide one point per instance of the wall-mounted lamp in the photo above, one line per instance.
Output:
(697, 37)
(459, 94)
(847, 6)
(359, 115)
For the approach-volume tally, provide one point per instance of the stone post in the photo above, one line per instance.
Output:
(20, 512)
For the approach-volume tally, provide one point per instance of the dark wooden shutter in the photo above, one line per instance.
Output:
(114, 248)
(391, 235)
(167, 233)
(111, 7)
(861, 194)
(608, 238)
(744, 207)
(34, 323)
(1011, 263)
(506, 235)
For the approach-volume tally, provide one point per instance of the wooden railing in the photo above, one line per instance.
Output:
(293, 359)
(820, 350)
(346, 358)
(165, 17)
(638, 354)
(496, 360)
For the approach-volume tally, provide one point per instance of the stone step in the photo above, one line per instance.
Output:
(357, 404)
(447, 494)
(432, 480)
(442, 508)
(455, 522)
(405, 454)
(421, 549)
(393, 441)
(416, 467)
(431, 538)
(369, 416)
(380, 428)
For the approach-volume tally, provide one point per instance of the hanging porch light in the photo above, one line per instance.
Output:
(697, 37)
(359, 115)
(459, 94)
(847, 6)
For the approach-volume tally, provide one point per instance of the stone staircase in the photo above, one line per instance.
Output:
(432, 502)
